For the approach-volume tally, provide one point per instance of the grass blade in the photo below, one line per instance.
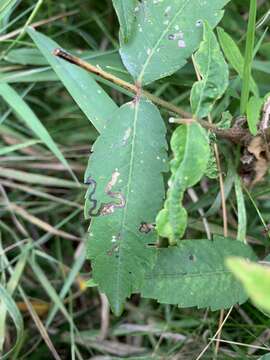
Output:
(91, 98)
(20, 107)
(241, 211)
(15, 315)
(31, 178)
(248, 56)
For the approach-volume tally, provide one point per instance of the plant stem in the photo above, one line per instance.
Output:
(237, 136)
(234, 135)
(248, 56)
(135, 89)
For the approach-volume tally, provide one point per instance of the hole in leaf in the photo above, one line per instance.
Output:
(192, 257)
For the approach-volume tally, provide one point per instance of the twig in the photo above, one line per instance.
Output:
(105, 317)
(40, 223)
(234, 135)
(194, 197)
(126, 85)
(16, 32)
(224, 208)
(225, 228)
(216, 334)
(39, 324)
(243, 344)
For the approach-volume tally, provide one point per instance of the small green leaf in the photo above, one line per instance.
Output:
(126, 191)
(125, 10)
(21, 108)
(234, 57)
(254, 109)
(226, 120)
(91, 98)
(191, 151)
(166, 34)
(255, 279)
(214, 71)
(194, 274)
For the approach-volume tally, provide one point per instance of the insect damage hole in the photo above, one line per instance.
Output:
(146, 228)
(192, 257)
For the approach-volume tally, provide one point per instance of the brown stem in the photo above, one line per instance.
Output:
(235, 135)
(124, 84)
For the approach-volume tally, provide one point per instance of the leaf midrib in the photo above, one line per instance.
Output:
(128, 192)
(192, 275)
(141, 75)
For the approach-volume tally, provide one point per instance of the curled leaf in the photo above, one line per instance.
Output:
(191, 151)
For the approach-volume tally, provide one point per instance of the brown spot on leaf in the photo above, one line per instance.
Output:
(192, 257)
(146, 228)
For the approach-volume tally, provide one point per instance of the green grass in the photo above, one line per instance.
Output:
(43, 269)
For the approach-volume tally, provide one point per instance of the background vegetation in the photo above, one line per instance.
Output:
(42, 226)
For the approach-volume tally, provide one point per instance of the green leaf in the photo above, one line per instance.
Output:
(255, 279)
(91, 98)
(126, 190)
(191, 151)
(21, 108)
(254, 109)
(195, 274)
(166, 34)
(214, 72)
(265, 357)
(125, 10)
(234, 57)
